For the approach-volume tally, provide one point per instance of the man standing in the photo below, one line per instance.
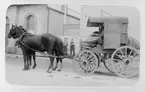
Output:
(72, 48)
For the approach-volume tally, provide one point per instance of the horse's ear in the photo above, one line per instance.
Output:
(21, 26)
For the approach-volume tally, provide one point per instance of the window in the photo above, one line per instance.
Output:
(31, 24)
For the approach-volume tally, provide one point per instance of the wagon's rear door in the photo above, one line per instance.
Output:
(112, 32)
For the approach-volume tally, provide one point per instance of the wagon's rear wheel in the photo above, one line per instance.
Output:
(125, 61)
(85, 62)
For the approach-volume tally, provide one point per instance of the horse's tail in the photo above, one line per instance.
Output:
(59, 45)
(62, 48)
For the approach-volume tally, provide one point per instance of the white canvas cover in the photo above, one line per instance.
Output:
(134, 43)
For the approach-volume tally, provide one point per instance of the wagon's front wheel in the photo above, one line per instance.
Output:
(125, 61)
(85, 62)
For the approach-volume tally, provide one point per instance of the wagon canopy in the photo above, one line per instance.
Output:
(108, 19)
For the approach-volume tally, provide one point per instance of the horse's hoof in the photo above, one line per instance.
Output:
(59, 70)
(49, 71)
(54, 69)
(27, 68)
(24, 69)
(33, 67)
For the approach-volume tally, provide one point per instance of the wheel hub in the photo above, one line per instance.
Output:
(85, 63)
(126, 61)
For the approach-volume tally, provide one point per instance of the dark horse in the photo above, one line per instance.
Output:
(30, 52)
(37, 43)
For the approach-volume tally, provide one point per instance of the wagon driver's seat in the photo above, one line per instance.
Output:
(97, 36)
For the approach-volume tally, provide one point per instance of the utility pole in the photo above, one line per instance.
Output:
(65, 13)
(65, 9)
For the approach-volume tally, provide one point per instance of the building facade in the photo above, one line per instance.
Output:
(37, 19)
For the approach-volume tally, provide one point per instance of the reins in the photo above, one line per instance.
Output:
(48, 55)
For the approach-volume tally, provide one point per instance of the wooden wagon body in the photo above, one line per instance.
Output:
(115, 31)
(114, 49)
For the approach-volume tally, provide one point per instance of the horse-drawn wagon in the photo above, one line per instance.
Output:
(111, 45)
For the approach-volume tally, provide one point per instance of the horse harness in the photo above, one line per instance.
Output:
(49, 55)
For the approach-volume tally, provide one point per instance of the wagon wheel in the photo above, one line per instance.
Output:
(108, 65)
(85, 62)
(125, 61)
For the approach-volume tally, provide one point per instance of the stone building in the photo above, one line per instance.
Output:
(38, 19)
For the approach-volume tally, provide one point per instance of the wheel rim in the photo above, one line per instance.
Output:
(125, 61)
(85, 62)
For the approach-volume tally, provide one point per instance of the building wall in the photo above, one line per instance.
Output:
(11, 15)
(72, 29)
(56, 21)
(71, 20)
(39, 12)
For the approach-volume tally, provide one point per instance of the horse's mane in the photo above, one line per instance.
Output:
(21, 27)
(24, 30)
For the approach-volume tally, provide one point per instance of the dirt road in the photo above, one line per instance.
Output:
(67, 77)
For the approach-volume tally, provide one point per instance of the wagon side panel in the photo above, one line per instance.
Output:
(112, 36)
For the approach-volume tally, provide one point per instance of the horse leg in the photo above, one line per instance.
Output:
(57, 60)
(60, 65)
(34, 59)
(51, 65)
(25, 65)
(70, 51)
(49, 45)
(28, 62)
(73, 51)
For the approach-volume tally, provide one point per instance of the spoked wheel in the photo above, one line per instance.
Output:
(125, 61)
(85, 62)
(108, 65)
